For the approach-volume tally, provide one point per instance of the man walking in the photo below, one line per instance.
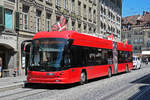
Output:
(0, 67)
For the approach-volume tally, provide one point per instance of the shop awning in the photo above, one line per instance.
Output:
(145, 52)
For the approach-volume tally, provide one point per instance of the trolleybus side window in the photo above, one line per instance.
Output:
(124, 56)
(88, 56)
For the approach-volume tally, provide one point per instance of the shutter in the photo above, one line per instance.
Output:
(17, 20)
(2, 24)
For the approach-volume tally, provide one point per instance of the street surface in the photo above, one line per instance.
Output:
(134, 85)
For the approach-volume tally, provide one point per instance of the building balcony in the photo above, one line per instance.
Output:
(49, 2)
(73, 14)
(65, 11)
(79, 17)
(90, 1)
(85, 17)
(90, 19)
(145, 48)
(58, 7)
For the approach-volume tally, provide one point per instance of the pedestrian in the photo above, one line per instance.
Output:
(1, 67)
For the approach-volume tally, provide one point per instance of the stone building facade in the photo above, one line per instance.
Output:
(40, 15)
(8, 37)
(26, 17)
(136, 30)
(109, 18)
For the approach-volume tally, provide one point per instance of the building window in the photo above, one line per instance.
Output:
(90, 13)
(8, 19)
(102, 25)
(65, 4)
(148, 43)
(49, 2)
(94, 30)
(102, 10)
(57, 2)
(129, 35)
(94, 2)
(38, 20)
(48, 25)
(79, 28)
(67, 22)
(90, 30)
(135, 33)
(140, 33)
(12, 1)
(148, 25)
(57, 18)
(139, 47)
(141, 40)
(73, 6)
(84, 28)
(25, 17)
(73, 25)
(94, 15)
(79, 8)
(149, 34)
(135, 47)
(25, 21)
(135, 41)
(84, 10)
(118, 19)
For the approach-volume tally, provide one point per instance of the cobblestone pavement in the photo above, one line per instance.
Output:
(124, 86)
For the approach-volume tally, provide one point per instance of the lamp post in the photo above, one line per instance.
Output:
(17, 31)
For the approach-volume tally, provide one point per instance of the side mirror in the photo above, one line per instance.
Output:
(69, 43)
(67, 55)
(67, 60)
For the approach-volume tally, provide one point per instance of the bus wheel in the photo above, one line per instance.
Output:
(109, 72)
(28, 85)
(127, 68)
(83, 78)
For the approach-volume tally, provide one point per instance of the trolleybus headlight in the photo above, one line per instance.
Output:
(50, 74)
(57, 80)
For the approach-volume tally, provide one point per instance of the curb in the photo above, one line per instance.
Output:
(11, 87)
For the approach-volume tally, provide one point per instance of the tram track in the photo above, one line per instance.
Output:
(119, 87)
(21, 94)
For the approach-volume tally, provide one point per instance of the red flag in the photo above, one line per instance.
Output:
(126, 42)
(110, 37)
(54, 27)
(63, 22)
(59, 26)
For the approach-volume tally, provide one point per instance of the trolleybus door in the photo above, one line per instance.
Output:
(115, 67)
(25, 54)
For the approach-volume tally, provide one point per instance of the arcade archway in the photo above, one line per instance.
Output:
(8, 60)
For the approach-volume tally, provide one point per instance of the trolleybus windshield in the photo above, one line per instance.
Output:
(46, 54)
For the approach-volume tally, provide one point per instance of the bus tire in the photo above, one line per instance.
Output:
(28, 85)
(83, 78)
(109, 72)
(127, 68)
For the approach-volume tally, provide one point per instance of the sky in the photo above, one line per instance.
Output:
(135, 7)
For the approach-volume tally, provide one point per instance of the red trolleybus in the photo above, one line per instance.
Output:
(68, 57)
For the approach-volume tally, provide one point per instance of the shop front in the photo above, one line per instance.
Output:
(8, 54)
(146, 55)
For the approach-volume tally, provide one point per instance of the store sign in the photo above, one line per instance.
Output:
(6, 37)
